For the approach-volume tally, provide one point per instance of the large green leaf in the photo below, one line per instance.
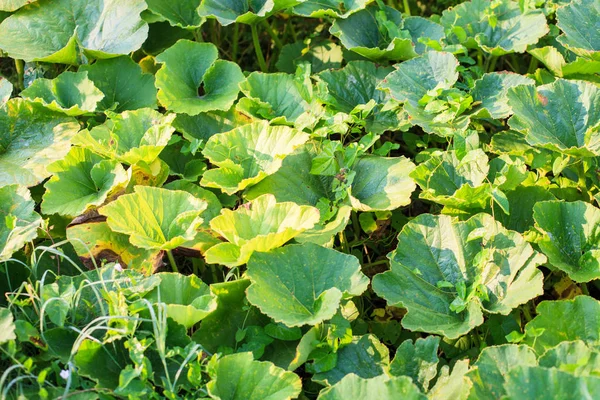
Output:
(563, 320)
(130, 137)
(199, 128)
(303, 284)
(13, 5)
(31, 137)
(573, 357)
(364, 77)
(423, 30)
(562, 116)
(81, 180)
(261, 225)
(294, 182)
(572, 237)
(380, 387)
(123, 83)
(453, 385)
(455, 182)
(579, 21)
(381, 183)
(19, 221)
(246, 11)
(521, 201)
(444, 272)
(491, 91)
(562, 65)
(220, 328)
(62, 31)
(101, 362)
(239, 377)
(95, 240)
(280, 98)
(330, 8)
(188, 300)
(418, 81)
(71, 93)
(537, 383)
(490, 372)
(248, 154)
(320, 54)
(366, 32)
(192, 80)
(417, 360)
(155, 218)
(365, 357)
(182, 13)
(496, 27)
(414, 78)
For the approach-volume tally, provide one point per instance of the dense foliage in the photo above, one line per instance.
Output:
(276, 199)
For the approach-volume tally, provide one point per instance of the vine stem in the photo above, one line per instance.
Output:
(259, 54)
(406, 7)
(272, 33)
(20, 67)
(172, 261)
(236, 37)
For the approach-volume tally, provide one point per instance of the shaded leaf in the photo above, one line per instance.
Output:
(123, 83)
(71, 93)
(365, 357)
(417, 360)
(188, 300)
